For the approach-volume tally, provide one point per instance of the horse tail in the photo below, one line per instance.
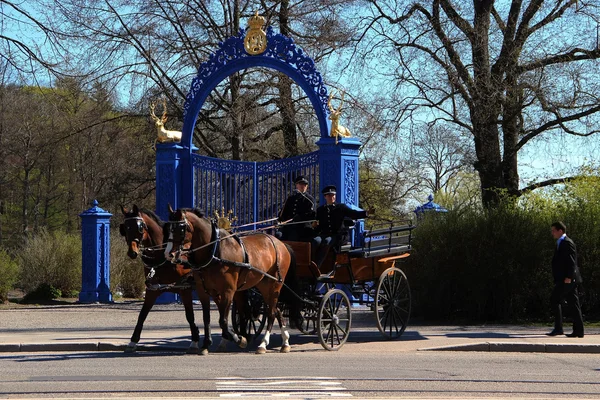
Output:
(291, 287)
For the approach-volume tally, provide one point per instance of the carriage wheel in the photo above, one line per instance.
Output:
(334, 319)
(253, 307)
(392, 303)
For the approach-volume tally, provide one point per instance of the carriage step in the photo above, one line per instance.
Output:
(326, 277)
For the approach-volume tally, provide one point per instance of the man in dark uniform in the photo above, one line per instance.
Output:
(566, 279)
(330, 220)
(299, 206)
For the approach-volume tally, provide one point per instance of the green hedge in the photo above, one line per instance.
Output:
(494, 265)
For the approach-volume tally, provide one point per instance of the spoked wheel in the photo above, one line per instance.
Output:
(251, 316)
(334, 319)
(392, 303)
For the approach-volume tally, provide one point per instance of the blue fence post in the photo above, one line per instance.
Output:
(338, 165)
(168, 177)
(95, 242)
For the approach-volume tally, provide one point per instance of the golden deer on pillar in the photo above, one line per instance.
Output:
(337, 130)
(164, 135)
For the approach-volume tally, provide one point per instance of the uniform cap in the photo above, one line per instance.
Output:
(331, 189)
(301, 179)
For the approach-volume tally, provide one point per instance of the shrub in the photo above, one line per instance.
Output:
(9, 273)
(53, 259)
(126, 275)
(494, 265)
(44, 292)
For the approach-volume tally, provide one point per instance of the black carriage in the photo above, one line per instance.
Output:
(368, 273)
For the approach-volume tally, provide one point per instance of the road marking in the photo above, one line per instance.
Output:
(281, 387)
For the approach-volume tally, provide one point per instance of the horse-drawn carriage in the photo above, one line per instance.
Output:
(252, 267)
(365, 275)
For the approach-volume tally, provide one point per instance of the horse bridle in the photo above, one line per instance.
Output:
(178, 230)
(141, 226)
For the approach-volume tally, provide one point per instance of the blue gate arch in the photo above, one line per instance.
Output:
(176, 162)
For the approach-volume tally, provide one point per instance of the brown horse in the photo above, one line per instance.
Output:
(143, 231)
(229, 264)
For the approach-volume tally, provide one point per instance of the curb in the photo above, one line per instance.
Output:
(82, 347)
(520, 348)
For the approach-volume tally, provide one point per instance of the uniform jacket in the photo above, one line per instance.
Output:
(331, 218)
(299, 207)
(564, 262)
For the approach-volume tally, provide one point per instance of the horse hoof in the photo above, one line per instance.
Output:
(203, 352)
(285, 349)
(261, 350)
(192, 350)
(129, 349)
(243, 343)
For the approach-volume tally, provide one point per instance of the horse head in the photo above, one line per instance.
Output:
(134, 229)
(177, 232)
(185, 228)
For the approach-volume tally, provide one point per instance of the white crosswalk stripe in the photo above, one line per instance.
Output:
(314, 387)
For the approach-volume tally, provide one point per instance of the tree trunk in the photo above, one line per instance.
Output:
(284, 85)
(511, 124)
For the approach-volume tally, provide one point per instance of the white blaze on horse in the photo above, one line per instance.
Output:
(164, 135)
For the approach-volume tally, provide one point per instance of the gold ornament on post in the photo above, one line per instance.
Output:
(337, 130)
(224, 221)
(164, 135)
(255, 41)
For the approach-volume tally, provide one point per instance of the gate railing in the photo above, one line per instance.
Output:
(254, 191)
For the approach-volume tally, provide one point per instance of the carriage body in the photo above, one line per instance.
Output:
(366, 275)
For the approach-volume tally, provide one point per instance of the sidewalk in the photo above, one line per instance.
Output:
(98, 327)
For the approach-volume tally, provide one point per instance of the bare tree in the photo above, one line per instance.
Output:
(508, 72)
(441, 153)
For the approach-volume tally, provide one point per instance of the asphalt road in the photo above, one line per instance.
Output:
(302, 374)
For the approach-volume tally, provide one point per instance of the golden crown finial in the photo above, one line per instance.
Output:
(256, 21)
(224, 221)
(255, 41)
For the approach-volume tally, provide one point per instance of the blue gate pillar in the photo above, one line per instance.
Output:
(168, 177)
(169, 189)
(95, 242)
(338, 165)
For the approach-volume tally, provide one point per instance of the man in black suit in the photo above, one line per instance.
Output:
(566, 279)
(330, 220)
(299, 206)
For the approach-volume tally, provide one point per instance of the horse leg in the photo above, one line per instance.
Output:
(272, 310)
(205, 301)
(285, 335)
(149, 300)
(186, 299)
(224, 305)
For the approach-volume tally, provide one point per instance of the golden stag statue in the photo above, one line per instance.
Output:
(164, 135)
(337, 130)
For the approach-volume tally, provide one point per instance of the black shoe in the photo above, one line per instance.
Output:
(555, 333)
(579, 335)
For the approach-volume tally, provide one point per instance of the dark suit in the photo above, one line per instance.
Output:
(564, 265)
(298, 207)
(331, 229)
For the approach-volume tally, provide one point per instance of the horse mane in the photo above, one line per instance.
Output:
(153, 216)
(198, 212)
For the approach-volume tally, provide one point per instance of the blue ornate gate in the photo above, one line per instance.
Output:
(254, 191)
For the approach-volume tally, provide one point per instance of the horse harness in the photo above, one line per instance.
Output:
(151, 262)
(215, 257)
